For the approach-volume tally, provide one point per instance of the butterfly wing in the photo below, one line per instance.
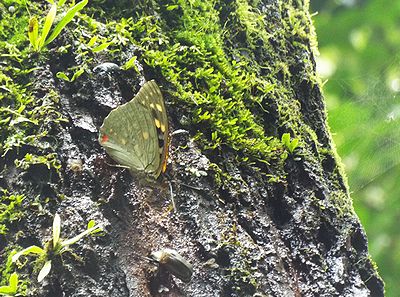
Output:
(158, 111)
(131, 132)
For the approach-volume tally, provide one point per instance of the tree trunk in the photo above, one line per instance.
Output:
(256, 214)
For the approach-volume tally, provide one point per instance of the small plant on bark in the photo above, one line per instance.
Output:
(289, 144)
(55, 246)
(38, 42)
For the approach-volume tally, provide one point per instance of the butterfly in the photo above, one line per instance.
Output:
(135, 134)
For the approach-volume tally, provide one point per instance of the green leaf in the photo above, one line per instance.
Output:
(66, 19)
(63, 76)
(77, 74)
(130, 64)
(91, 224)
(56, 230)
(14, 281)
(7, 291)
(33, 249)
(286, 139)
(61, 2)
(172, 7)
(5, 121)
(290, 145)
(33, 32)
(75, 239)
(92, 41)
(101, 47)
(47, 24)
(12, 288)
(44, 271)
(293, 145)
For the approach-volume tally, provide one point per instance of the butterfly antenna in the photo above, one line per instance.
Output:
(172, 196)
(188, 186)
(151, 260)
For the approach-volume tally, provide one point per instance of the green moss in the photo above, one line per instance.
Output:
(25, 120)
(253, 21)
(10, 209)
(13, 26)
(215, 87)
(49, 160)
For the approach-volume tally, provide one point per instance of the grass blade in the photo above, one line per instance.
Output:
(73, 240)
(47, 24)
(33, 249)
(56, 229)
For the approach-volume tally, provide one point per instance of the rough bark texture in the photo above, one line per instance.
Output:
(274, 223)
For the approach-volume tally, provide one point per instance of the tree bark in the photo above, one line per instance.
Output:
(254, 216)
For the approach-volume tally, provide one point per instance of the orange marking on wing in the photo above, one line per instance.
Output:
(104, 138)
(164, 162)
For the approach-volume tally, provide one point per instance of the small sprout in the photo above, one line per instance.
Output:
(55, 246)
(63, 49)
(12, 288)
(100, 47)
(92, 41)
(131, 64)
(172, 261)
(172, 7)
(290, 145)
(63, 76)
(97, 44)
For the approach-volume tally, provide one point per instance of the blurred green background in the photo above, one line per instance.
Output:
(359, 43)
